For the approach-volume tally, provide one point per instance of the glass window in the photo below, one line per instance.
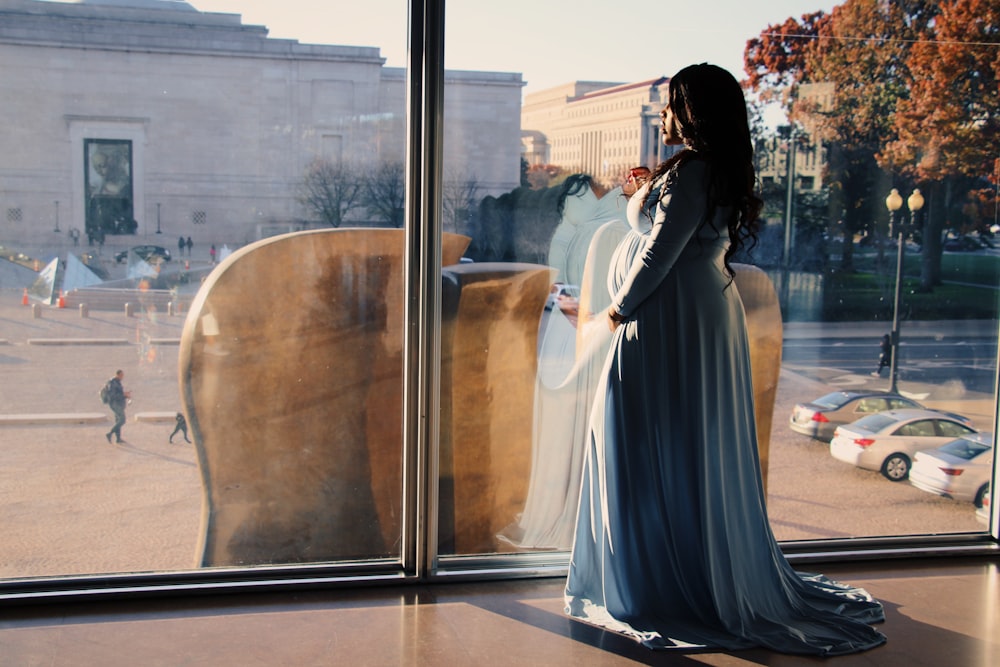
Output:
(828, 243)
(924, 428)
(965, 449)
(261, 386)
(874, 423)
(228, 219)
(872, 405)
(835, 400)
(951, 429)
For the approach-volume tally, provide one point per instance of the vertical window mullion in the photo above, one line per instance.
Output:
(422, 275)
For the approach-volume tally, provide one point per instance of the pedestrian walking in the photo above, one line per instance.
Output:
(117, 398)
(181, 428)
(885, 358)
(211, 253)
(190, 244)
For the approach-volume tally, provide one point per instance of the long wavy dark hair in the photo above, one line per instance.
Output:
(711, 116)
(572, 186)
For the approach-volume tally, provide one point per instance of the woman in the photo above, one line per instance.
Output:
(584, 205)
(672, 543)
(568, 367)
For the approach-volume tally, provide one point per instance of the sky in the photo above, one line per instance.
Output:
(549, 42)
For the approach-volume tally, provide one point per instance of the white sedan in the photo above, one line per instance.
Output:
(887, 441)
(960, 469)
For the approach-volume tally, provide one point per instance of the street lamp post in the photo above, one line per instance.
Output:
(56, 202)
(894, 202)
(158, 218)
(788, 131)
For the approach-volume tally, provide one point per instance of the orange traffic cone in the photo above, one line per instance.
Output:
(24, 297)
(62, 300)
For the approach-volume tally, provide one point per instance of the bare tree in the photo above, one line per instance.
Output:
(459, 201)
(331, 190)
(385, 193)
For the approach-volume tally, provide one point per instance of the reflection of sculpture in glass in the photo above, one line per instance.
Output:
(571, 356)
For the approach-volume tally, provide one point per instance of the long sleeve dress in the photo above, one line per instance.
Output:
(672, 544)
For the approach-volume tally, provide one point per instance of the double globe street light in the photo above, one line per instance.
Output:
(894, 202)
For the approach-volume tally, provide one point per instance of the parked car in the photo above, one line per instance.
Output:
(960, 469)
(820, 418)
(887, 441)
(983, 511)
(146, 253)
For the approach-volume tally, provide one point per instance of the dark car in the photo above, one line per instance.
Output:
(820, 418)
(147, 253)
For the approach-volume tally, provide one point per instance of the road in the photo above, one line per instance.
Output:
(970, 361)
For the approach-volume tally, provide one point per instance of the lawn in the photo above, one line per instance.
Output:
(869, 297)
(971, 290)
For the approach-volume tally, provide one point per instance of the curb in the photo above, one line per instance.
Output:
(53, 418)
(71, 418)
(78, 341)
(95, 341)
(156, 417)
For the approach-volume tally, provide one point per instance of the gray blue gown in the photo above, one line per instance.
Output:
(672, 544)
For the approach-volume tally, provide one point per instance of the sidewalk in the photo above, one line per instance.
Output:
(874, 330)
(53, 366)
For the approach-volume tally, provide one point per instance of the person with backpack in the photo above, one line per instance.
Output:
(116, 398)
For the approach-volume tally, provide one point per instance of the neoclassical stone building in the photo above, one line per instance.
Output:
(597, 127)
(135, 116)
(604, 128)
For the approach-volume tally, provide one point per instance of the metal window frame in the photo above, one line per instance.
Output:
(420, 561)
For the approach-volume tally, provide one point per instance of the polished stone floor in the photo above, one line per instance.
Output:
(940, 613)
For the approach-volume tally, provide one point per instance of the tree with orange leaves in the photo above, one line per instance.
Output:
(776, 59)
(862, 48)
(948, 129)
(917, 103)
